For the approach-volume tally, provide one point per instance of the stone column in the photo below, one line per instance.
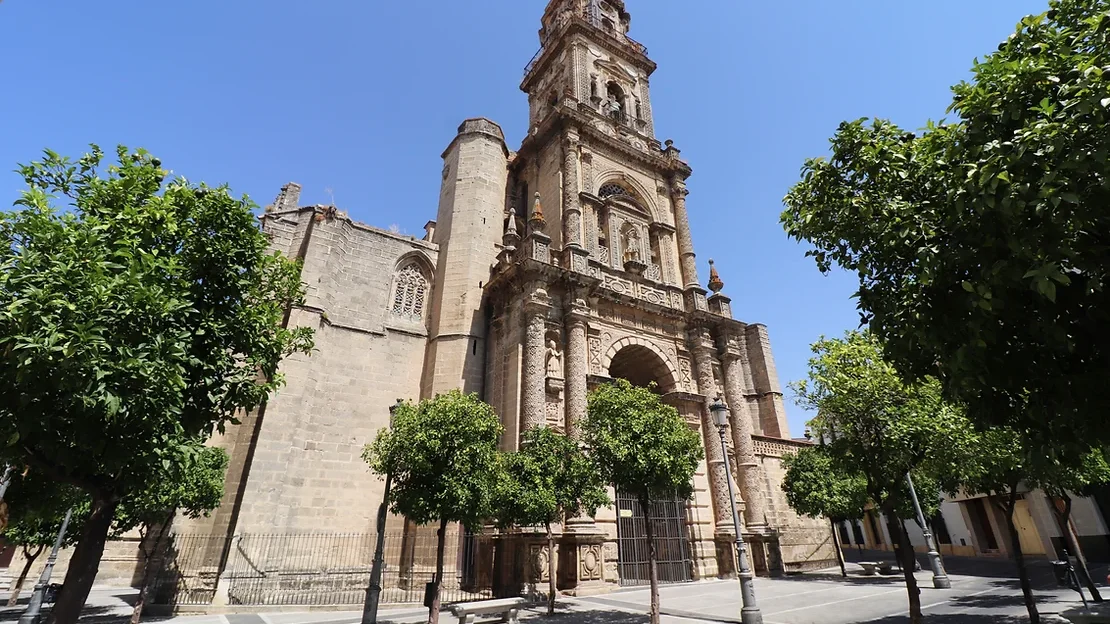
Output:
(747, 467)
(686, 257)
(577, 369)
(572, 210)
(533, 399)
(587, 172)
(704, 354)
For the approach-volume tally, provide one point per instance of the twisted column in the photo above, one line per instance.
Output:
(687, 260)
(704, 353)
(748, 469)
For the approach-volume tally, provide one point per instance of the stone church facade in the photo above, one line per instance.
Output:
(548, 270)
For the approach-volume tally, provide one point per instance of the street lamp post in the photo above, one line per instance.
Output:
(749, 613)
(940, 577)
(31, 615)
(374, 589)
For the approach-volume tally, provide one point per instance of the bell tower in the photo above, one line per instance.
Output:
(596, 278)
(586, 53)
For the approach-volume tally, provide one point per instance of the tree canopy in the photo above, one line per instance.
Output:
(549, 477)
(643, 447)
(442, 456)
(445, 467)
(876, 428)
(191, 488)
(980, 243)
(815, 487)
(136, 316)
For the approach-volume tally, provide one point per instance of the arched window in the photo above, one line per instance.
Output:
(410, 291)
(612, 190)
(615, 106)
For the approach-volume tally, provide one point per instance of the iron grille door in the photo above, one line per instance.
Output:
(672, 541)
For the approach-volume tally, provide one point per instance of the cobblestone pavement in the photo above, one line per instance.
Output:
(982, 592)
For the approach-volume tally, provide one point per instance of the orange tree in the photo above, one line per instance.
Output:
(136, 316)
(981, 243)
(643, 447)
(443, 459)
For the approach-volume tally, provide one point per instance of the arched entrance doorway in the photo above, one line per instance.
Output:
(643, 365)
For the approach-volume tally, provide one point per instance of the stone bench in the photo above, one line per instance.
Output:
(507, 607)
(1096, 615)
(883, 567)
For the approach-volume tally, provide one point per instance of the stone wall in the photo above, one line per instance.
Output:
(807, 543)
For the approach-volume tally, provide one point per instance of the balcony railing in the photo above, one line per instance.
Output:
(594, 21)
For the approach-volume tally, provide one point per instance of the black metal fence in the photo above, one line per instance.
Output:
(672, 541)
(334, 568)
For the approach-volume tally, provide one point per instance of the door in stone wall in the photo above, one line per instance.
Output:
(672, 541)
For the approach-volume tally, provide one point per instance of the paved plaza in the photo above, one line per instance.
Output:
(983, 591)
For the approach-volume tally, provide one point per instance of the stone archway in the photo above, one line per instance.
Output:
(642, 363)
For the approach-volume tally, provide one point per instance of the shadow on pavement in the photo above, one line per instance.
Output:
(595, 616)
(961, 618)
(855, 579)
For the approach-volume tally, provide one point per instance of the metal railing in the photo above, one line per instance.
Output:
(584, 16)
(309, 569)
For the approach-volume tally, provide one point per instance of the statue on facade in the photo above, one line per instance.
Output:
(632, 245)
(554, 360)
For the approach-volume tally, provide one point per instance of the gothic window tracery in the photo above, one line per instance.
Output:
(410, 291)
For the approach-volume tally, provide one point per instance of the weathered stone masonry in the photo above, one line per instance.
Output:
(547, 271)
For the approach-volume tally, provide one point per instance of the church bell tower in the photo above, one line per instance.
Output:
(597, 279)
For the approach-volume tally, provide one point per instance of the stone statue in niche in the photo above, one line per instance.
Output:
(554, 360)
(632, 245)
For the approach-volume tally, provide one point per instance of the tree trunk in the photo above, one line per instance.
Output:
(906, 561)
(148, 570)
(433, 611)
(1071, 538)
(1019, 557)
(839, 552)
(653, 571)
(550, 571)
(18, 587)
(84, 563)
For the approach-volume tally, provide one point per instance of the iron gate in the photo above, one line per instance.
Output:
(672, 541)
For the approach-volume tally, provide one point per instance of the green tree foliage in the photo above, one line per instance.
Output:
(980, 244)
(36, 509)
(877, 428)
(643, 447)
(549, 479)
(442, 456)
(192, 488)
(135, 317)
(1008, 464)
(814, 486)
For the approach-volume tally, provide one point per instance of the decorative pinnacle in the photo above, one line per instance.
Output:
(537, 219)
(510, 229)
(715, 283)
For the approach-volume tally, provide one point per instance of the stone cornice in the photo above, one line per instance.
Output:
(562, 39)
(553, 126)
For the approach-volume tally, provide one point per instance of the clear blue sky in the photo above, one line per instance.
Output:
(362, 97)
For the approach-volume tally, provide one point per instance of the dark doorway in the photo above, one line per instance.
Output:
(672, 542)
(940, 529)
(857, 533)
(981, 524)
